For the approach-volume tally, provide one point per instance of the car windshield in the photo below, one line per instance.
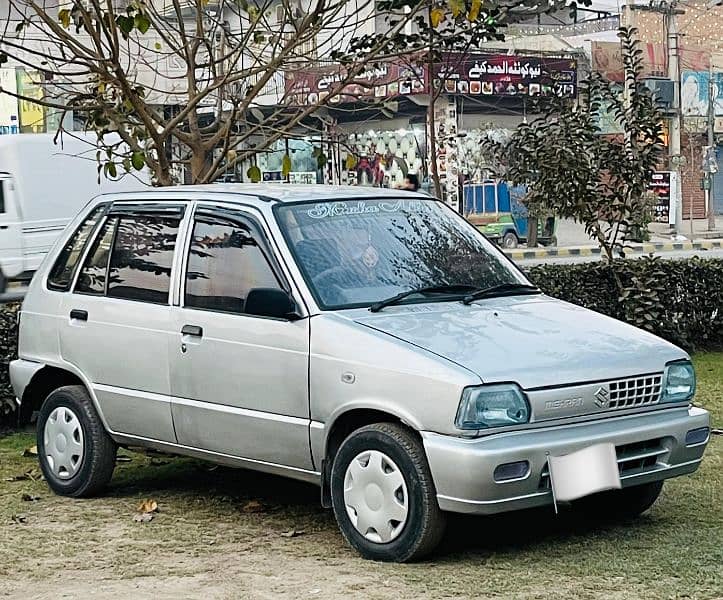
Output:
(358, 252)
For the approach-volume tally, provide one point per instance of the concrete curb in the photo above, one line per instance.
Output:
(646, 248)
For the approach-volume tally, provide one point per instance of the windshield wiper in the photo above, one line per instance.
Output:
(503, 289)
(455, 288)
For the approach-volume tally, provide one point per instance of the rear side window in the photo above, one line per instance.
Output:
(142, 257)
(61, 274)
(2, 197)
(225, 262)
(93, 275)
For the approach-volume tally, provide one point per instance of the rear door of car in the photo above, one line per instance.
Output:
(239, 381)
(116, 324)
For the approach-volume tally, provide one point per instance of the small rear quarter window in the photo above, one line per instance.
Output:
(61, 274)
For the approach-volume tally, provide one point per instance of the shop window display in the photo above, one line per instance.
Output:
(383, 158)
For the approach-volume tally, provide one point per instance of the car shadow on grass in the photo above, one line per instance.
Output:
(524, 530)
(187, 479)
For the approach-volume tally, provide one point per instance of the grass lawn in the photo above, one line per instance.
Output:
(223, 533)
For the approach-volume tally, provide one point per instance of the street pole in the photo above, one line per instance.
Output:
(711, 143)
(675, 122)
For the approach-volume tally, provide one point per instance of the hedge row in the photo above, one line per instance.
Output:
(8, 350)
(679, 300)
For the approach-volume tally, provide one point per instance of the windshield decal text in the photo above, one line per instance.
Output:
(343, 209)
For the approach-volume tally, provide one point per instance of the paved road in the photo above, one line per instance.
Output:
(674, 254)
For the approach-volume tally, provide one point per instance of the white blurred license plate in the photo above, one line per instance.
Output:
(588, 471)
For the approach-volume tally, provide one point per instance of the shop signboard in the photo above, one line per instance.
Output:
(9, 117)
(386, 80)
(663, 186)
(507, 75)
(32, 115)
(695, 93)
(607, 59)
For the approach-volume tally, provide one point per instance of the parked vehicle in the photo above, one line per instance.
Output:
(369, 341)
(42, 187)
(495, 209)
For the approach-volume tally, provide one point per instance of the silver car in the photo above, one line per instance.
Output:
(368, 341)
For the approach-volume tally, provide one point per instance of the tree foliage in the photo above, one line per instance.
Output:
(197, 86)
(574, 171)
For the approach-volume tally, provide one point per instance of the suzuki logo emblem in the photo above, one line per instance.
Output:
(602, 396)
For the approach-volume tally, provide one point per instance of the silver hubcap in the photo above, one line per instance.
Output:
(375, 495)
(63, 440)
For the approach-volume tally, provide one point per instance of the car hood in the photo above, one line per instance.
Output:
(535, 341)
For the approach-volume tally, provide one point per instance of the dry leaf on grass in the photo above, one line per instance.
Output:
(29, 475)
(19, 518)
(30, 498)
(253, 506)
(292, 533)
(148, 506)
(145, 517)
(31, 451)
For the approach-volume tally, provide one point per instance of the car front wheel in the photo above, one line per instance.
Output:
(76, 454)
(383, 494)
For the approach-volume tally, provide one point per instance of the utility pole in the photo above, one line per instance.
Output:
(673, 43)
(670, 13)
(711, 145)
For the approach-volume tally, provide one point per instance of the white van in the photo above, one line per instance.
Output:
(43, 185)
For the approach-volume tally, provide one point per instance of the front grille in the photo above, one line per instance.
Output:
(635, 391)
(633, 459)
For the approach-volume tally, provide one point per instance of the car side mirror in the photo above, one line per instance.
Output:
(271, 302)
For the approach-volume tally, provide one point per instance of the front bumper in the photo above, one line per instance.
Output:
(650, 447)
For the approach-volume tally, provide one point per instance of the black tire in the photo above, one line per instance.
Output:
(510, 240)
(425, 522)
(99, 450)
(623, 504)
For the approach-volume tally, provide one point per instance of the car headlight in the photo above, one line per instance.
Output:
(492, 406)
(678, 382)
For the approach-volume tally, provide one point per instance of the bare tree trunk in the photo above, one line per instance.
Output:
(432, 150)
(531, 232)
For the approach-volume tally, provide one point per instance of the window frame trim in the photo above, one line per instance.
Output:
(151, 210)
(231, 215)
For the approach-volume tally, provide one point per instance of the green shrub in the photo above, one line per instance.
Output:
(679, 300)
(8, 351)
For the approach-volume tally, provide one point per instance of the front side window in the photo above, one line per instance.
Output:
(225, 261)
(358, 252)
(142, 258)
(62, 271)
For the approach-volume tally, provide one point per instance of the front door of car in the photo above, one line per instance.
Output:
(116, 323)
(239, 381)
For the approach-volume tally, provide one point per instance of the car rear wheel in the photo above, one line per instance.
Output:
(76, 454)
(383, 494)
(626, 503)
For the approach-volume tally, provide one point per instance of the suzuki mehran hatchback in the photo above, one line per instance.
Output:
(369, 341)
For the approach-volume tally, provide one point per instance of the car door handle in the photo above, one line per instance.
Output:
(193, 330)
(79, 315)
(4, 226)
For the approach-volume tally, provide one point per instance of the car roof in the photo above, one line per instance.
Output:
(282, 192)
